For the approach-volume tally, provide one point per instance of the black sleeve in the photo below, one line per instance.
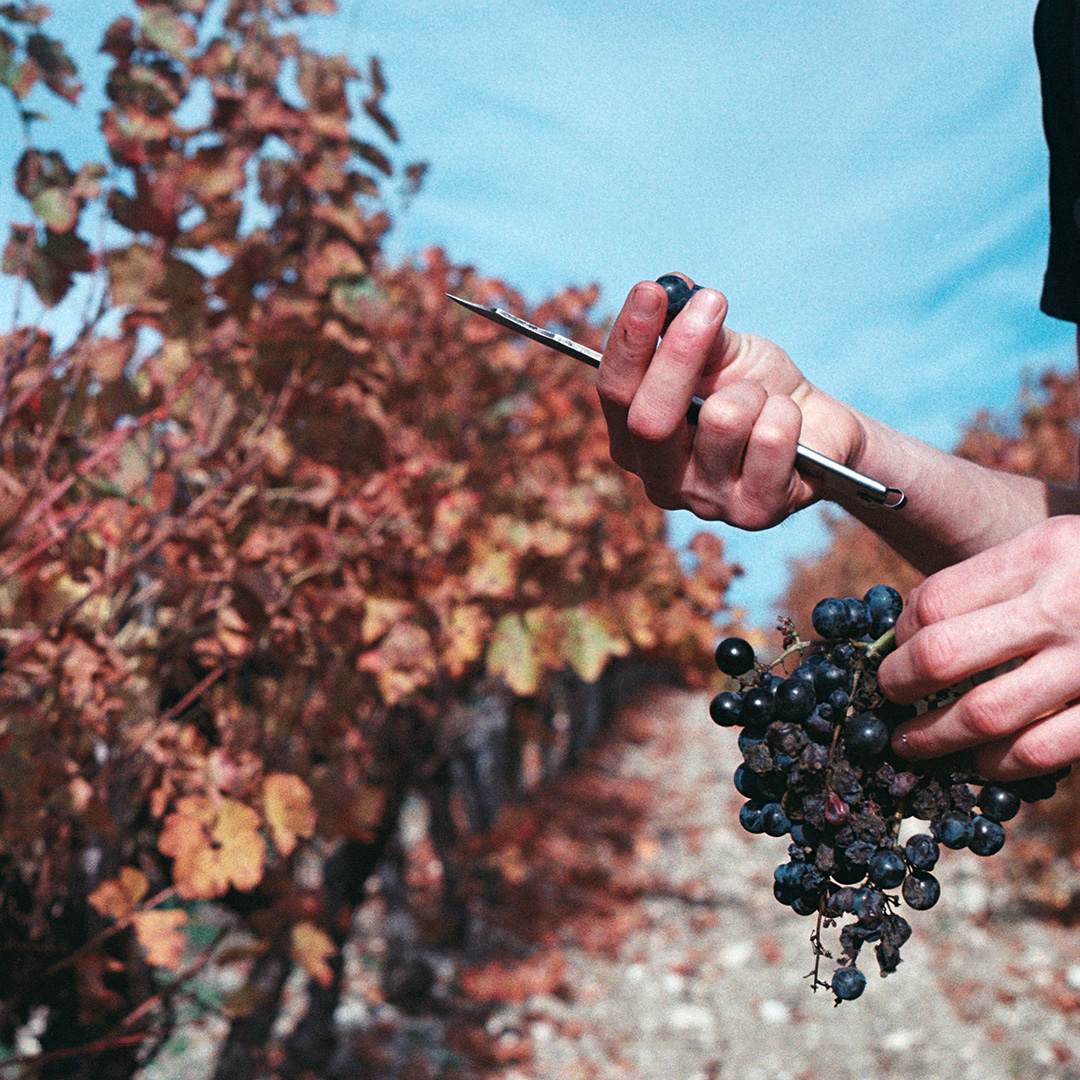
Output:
(1057, 47)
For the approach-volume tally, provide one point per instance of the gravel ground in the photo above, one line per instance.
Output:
(714, 986)
(712, 983)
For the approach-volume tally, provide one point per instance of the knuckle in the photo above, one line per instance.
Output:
(984, 713)
(1056, 535)
(1034, 752)
(935, 654)
(928, 602)
(732, 410)
(650, 424)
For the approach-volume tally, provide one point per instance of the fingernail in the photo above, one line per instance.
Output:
(645, 302)
(900, 744)
(705, 305)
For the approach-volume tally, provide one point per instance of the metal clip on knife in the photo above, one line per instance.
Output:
(805, 459)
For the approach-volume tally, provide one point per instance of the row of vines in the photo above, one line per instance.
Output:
(280, 533)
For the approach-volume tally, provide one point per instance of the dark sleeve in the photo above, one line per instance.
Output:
(1057, 47)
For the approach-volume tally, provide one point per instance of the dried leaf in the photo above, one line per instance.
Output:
(158, 933)
(311, 948)
(117, 897)
(215, 845)
(289, 810)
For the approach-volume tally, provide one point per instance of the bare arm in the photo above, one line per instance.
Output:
(1002, 551)
(738, 465)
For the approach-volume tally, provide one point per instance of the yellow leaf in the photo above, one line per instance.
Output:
(311, 948)
(590, 642)
(492, 572)
(514, 657)
(214, 845)
(404, 661)
(380, 615)
(289, 810)
(465, 633)
(117, 897)
(159, 935)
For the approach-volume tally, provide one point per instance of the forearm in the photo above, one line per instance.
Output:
(955, 507)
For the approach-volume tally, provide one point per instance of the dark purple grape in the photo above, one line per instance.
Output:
(724, 709)
(829, 617)
(1034, 788)
(857, 618)
(750, 816)
(865, 736)
(818, 725)
(773, 819)
(922, 852)
(884, 604)
(830, 677)
(848, 983)
(987, 837)
(757, 707)
(794, 700)
(887, 869)
(843, 654)
(868, 905)
(998, 803)
(920, 890)
(735, 656)
(678, 294)
(953, 829)
(746, 782)
(790, 874)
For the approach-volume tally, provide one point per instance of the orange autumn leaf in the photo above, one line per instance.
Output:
(289, 810)
(311, 948)
(214, 844)
(160, 937)
(117, 897)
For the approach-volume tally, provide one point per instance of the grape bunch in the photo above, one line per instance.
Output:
(817, 767)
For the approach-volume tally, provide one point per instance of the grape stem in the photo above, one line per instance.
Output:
(883, 646)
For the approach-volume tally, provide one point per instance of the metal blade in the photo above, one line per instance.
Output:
(520, 326)
(864, 488)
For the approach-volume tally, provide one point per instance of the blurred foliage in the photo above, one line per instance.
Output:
(270, 528)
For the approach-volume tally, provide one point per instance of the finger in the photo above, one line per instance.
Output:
(725, 424)
(672, 377)
(989, 577)
(1038, 749)
(661, 437)
(943, 653)
(629, 349)
(769, 463)
(993, 710)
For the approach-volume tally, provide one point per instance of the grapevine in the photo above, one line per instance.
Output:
(818, 768)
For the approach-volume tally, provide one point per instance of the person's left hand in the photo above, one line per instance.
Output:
(1019, 599)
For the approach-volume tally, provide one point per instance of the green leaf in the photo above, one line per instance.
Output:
(168, 32)
(57, 208)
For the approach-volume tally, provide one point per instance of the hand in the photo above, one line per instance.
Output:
(1020, 599)
(738, 464)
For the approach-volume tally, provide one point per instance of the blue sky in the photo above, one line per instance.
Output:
(866, 182)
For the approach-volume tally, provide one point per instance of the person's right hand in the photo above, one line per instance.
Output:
(738, 464)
